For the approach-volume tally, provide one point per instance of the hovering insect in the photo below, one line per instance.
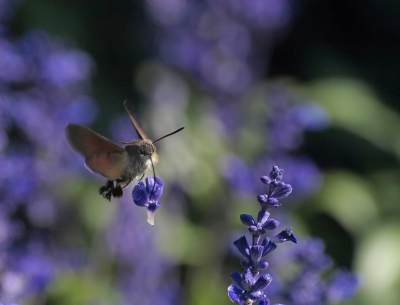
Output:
(120, 165)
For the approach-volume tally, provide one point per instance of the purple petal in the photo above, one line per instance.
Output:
(282, 190)
(271, 224)
(273, 202)
(154, 206)
(247, 220)
(256, 252)
(265, 180)
(269, 246)
(253, 229)
(263, 265)
(139, 194)
(233, 295)
(293, 238)
(262, 283)
(151, 211)
(262, 216)
(245, 264)
(154, 191)
(255, 295)
(237, 280)
(262, 198)
(248, 280)
(242, 246)
(150, 182)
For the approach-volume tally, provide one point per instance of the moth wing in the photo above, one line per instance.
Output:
(102, 156)
(108, 164)
(139, 131)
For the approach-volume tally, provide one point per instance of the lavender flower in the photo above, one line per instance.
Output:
(44, 84)
(309, 286)
(248, 287)
(147, 195)
(222, 43)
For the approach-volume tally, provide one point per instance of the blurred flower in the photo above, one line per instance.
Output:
(221, 43)
(43, 85)
(342, 286)
(140, 268)
(147, 195)
(309, 285)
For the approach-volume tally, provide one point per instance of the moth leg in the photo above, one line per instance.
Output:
(117, 191)
(140, 178)
(109, 185)
(111, 190)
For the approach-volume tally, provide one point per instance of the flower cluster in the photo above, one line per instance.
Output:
(248, 287)
(147, 195)
(309, 285)
(223, 44)
(44, 83)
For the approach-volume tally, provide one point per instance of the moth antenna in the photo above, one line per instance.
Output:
(170, 134)
(139, 132)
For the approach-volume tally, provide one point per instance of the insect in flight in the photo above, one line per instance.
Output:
(120, 165)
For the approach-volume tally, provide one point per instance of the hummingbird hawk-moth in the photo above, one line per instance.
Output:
(120, 165)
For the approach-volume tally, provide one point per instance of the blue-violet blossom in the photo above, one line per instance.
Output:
(248, 287)
(147, 195)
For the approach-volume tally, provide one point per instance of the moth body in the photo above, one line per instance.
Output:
(139, 157)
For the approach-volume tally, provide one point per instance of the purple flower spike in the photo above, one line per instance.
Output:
(147, 195)
(247, 288)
